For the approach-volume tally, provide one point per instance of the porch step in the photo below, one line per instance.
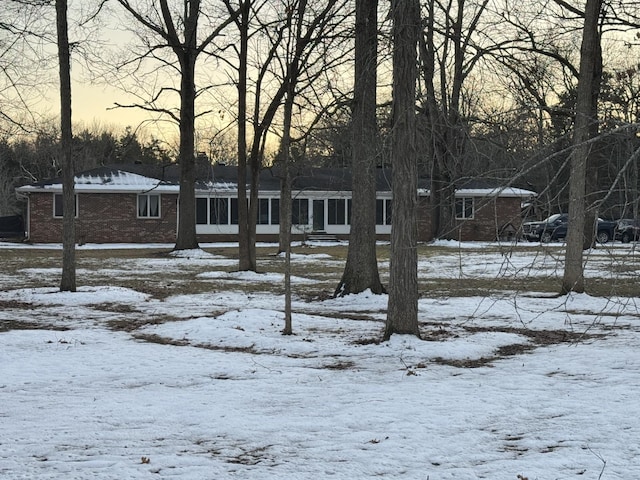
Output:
(322, 237)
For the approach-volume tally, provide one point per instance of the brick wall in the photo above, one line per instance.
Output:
(490, 217)
(104, 218)
(112, 218)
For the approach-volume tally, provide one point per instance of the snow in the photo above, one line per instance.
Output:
(205, 386)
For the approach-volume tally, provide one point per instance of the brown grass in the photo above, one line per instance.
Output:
(326, 273)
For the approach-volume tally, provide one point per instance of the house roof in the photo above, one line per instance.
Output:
(140, 178)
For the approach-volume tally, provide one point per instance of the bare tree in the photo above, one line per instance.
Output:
(23, 29)
(361, 269)
(266, 102)
(402, 314)
(445, 69)
(68, 281)
(178, 32)
(586, 118)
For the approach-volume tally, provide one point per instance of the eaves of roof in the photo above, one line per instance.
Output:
(140, 178)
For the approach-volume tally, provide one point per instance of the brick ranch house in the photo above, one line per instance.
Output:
(134, 203)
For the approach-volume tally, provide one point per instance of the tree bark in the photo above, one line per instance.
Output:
(361, 269)
(402, 313)
(68, 281)
(187, 201)
(573, 279)
(285, 218)
(187, 54)
(186, 50)
(244, 262)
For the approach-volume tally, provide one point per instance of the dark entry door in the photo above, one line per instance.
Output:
(318, 215)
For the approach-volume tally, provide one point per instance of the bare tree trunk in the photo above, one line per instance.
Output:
(361, 269)
(306, 42)
(255, 164)
(185, 46)
(68, 281)
(285, 231)
(285, 208)
(573, 279)
(187, 201)
(285, 218)
(243, 213)
(402, 313)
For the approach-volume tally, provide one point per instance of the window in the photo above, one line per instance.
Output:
(268, 211)
(464, 208)
(300, 211)
(263, 211)
(383, 211)
(235, 215)
(337, 211)
(275, 211)
(219, 211)
(149, 206)
(201, 211)
(58, 207)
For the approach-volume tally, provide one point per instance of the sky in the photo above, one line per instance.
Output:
(221, 394)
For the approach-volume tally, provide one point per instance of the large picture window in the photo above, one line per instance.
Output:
(58, 207)
(149, 205)
(464, 208)
(224, 211)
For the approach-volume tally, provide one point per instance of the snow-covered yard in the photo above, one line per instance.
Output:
(113, 382)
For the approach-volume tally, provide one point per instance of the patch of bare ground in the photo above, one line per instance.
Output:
(131, 324)
(339, 365)
(114, 307)
(153, 338)
(538, 338)
(7, 325)
(14, 304)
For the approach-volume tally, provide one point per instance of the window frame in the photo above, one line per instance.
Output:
(219, 211)
(58, 202)
(384, 211)
(147, 215)
(268, 211)
(463, 205)
(296, 203)
(337, 211)
(202, 211)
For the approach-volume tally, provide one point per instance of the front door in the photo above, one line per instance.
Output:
(318, 215)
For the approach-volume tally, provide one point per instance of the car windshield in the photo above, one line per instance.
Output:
(553, 218)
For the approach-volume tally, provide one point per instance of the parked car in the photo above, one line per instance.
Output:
(628, 230)
(555, 227)
(549, 229)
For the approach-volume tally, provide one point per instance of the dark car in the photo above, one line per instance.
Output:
(555, 228)
(627, 230)
(549, 229)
